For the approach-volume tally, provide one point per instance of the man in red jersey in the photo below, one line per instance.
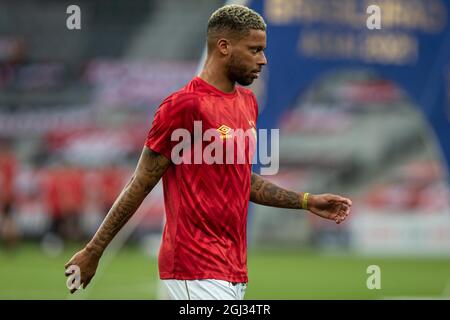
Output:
(203, 253)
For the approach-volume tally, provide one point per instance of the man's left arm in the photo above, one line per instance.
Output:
(328, 206)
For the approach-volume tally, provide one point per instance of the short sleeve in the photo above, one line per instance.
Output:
(175, 112)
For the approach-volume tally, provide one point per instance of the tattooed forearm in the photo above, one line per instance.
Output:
(150, 169)
(268, 194)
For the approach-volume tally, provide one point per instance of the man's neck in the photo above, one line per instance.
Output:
(216, 77)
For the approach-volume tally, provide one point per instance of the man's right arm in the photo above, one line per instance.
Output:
(150, 169)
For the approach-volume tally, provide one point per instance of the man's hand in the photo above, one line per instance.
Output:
(329, 206)
(87, 261)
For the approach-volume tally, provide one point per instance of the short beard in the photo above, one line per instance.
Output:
(237, 72)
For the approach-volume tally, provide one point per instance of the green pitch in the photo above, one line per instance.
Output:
(274, 274)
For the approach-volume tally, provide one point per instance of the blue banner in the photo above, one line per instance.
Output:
(309, 38)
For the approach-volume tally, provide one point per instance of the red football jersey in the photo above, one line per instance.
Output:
(206, 205)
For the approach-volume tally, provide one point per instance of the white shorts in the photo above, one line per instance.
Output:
(205, 289)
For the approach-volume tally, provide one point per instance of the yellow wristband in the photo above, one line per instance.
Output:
(305, 201)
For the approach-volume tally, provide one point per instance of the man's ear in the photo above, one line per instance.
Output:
(224, 46)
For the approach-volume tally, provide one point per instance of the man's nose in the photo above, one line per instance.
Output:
(263, 59)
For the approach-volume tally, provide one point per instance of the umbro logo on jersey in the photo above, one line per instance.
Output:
(224, 130)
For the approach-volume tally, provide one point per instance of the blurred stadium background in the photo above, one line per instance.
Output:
(75, 108)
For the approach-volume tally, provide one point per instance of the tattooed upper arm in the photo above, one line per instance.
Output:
(150, 168)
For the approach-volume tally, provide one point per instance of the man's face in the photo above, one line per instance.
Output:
(247, 58)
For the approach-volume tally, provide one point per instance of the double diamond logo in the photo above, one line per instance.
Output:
(224, 130)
